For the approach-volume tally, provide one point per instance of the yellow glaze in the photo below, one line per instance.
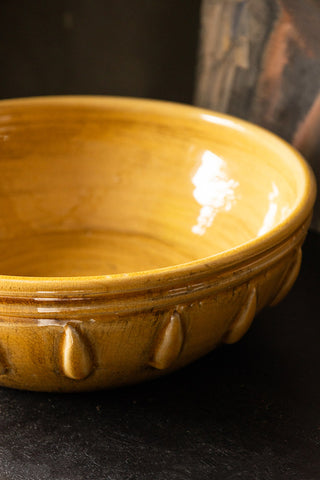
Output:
(136, 235)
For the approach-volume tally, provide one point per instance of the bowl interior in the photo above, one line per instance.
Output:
(103, 186)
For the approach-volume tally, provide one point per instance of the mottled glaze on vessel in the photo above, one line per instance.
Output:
(136, 236)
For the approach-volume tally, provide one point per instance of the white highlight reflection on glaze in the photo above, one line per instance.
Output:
(214, 190)
(270, 218)
(225, 122)
(46, 322)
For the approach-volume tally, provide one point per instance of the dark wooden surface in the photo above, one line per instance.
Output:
(260, 60)
(248, 411)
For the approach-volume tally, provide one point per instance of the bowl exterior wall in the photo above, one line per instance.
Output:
(55, 345)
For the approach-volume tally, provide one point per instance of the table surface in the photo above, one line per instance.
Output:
(246, 411)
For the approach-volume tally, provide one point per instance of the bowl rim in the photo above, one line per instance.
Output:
(172, 274)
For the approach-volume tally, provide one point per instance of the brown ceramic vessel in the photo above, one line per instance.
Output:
(136, 236)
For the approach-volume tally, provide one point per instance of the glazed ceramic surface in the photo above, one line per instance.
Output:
(136, 236)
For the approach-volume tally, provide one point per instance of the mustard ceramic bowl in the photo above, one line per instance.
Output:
(136, 236)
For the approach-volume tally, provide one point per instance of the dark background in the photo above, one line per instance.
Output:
(144, 48)
(250, 411)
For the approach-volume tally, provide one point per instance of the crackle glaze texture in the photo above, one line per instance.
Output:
(136, 236)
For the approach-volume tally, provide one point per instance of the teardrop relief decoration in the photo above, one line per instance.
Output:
(168, 344)
(289, 279)
(76, 356)
(4, 365)
(244, 318)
